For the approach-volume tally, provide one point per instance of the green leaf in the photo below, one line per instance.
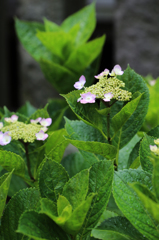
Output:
(59, 76)
(100, 182)
(75, 190)
(50, 26)
(155, 176)
(134, 159)
(133, 83)
(117, 225)
(27, 109)
(76, 162)
(126, 112)
(10, 161)
(52, 179)
(81, 58)
(154, 132)
(148, 200)
(56, 145)
(145, 153)
(86, 20)
(129, 203)
(59, 43)
(16, 184)
(26, 199)
(62, 202)
(4, 186)
(125, 153)
(39, 226)
(88, 139)
(26, 32)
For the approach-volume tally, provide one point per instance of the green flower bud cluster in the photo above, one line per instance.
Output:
(19, 130)
(109, 85)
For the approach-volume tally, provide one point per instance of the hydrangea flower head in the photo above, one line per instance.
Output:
(80, 84)
(107, 97)
(45, 122)
(5, 138)
(116, 70)
(41, 135)
(87, 98)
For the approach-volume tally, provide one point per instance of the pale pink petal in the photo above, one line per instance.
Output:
(105, 72)
(78, 85)
(14, 118)
(87, 98)
(82, 79)
(7, 119)
(46, 122)
(5, 139)
(1, 125)
(117, 70)
(41, 135)
(107, 97)
(153, 148)
(36, 120)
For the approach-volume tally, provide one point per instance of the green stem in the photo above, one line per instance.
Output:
(28, 161)
(108, 128)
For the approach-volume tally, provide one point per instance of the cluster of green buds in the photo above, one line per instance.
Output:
(109, 87)
(154, 148)
(14, 129)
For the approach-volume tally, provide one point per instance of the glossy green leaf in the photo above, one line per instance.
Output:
(10, 161)
(130, 204)
(145, 153)
(84, 59)
(100, 182)
(50, 26)
(154, 132)
(26, 32)
(117, 225)
(26, 199)
(132, 161)
(56, 145)
(59, 76)
(155, 176)
(88, 139)
(59, 43)
(133, 83)
(27, 109)
(76, 162)
(86, 20)
(75, 190)
(4, 187)
(39, 226)
(62, 202)
(52, 179)
(122, 117)
(148, 200)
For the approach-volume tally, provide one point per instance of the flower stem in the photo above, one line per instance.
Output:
(28, 160)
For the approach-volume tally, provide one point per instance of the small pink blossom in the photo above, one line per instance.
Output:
(105, 72)
(13, 118)
(5, 138)
(45, 122)
(116, 70)
(80, 84)
(107, 97)
(153, 148)
(1, 125)
(41, 135)
(87, 98)
(36, 120)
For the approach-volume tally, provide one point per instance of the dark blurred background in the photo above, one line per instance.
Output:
(131, 27)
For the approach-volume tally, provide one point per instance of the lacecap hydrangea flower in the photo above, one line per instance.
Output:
(108, 87)
(14, 129)
(154, 148)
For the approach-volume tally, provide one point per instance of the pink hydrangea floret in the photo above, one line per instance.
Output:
(13, 118)
(117, 70)
(80, 84)
(41, 135)
(5, 138)
(153, 148)
(107, 97)
(105, 72)
(36, 120)
(45, 122)
(87, 98)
